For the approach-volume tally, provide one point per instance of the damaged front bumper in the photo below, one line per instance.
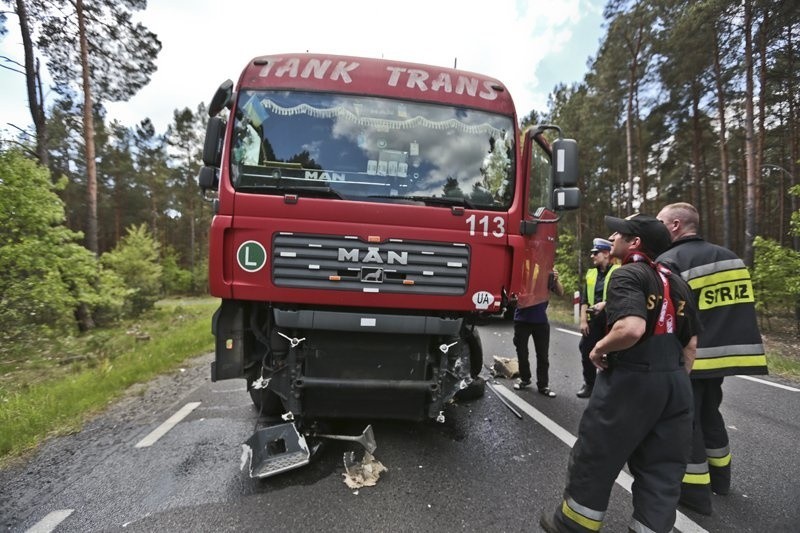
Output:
(276, 449)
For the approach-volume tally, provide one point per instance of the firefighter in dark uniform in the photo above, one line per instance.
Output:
(640, 411)
(729, 343)
(593, 316)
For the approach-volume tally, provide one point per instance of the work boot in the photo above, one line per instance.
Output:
(702, 507)
(548, 523)
(585, 391)
(522, 384)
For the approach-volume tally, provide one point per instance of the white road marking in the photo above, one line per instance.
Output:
(770, 383)
(576, 333)
(240, 388)
(50, 522)
(170, 423)
(624, 480)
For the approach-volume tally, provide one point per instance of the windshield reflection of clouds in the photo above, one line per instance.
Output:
(364, 146)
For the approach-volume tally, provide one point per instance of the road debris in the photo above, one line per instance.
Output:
(364, 473)
(504, 401)
(504, 367)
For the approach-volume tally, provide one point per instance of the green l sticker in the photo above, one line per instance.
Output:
(251, 256)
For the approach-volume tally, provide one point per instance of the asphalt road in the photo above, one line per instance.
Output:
(483, 469)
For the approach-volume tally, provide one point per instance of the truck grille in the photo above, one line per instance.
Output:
(348, 263)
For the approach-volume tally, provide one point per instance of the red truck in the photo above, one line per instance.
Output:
(367, 213)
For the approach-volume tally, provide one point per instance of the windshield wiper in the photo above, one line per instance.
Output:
(429, 200)
(322, 191)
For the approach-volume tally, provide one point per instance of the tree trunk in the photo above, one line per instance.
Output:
(629, 137)
(794, 130)
(192, 240)
(749, 144)
(88, 137)
(34, 86)
(640, 159)
(723, 146)
(697, 135)
(762, 105)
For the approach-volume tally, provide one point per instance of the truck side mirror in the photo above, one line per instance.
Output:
(566, 198)
(208, 179)
(222, 98)
(212, 149)
(565, 163)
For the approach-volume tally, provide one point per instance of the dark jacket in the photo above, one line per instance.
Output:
(729, 342)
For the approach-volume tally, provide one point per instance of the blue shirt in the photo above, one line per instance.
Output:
(535, 314)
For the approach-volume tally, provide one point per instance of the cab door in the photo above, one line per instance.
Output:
(550, 178)
(539, 222)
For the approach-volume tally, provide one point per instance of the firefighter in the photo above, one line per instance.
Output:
(593, 302)
(641, 409)
(729, 343)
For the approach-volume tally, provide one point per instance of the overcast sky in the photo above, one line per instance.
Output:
(530, 45)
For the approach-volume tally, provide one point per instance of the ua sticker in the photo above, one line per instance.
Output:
(482, 299)
(251, 256)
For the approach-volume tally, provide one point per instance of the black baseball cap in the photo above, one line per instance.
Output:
(654, 234)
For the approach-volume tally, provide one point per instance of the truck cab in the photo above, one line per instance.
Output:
(367, 213)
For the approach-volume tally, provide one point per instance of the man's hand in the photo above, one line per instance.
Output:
(599, 360)
(624, 333)
(584, 320)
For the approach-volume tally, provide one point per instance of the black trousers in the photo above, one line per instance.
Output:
(644, 419)
(597, 330)
(709, 466)
(541, 343)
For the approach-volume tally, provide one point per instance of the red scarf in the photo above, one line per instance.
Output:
(666, 317)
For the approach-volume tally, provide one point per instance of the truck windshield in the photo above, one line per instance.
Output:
(372, 149)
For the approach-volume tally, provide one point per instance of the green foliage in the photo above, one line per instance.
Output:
(46, 274)
(566, 262)
(175, 279)
(776, 277)
(108, 303)
(135, 261)
(121, 52)
(795, 220)
(200, 277)
(29, 207)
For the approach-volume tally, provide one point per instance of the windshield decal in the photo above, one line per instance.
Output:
(416, 78)
(415, 122)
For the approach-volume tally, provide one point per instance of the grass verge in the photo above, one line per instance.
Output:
(48, 395)
(783, 365)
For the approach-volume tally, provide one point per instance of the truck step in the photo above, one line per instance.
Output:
(275, 449)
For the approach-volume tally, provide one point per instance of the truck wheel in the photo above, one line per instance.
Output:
(473, 344)
(266, 402)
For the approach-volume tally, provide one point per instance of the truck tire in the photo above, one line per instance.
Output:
(475, 347)
(472, 343)
(266, 402)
